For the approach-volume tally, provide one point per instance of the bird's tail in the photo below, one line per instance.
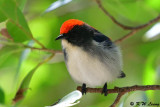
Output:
(122, 75)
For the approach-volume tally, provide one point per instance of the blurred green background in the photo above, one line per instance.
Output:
(25, 19)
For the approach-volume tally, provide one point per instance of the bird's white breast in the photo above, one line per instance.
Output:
(84, 68)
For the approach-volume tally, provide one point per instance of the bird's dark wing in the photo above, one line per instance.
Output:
(100, 38)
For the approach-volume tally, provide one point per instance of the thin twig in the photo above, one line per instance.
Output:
(132, 32)
(28, 33)
(5, 33)
(133, 29)
(43, 49)
(126, 36)
(117, 99)
(121, 91)
(32, 48)
(122, 25)
(39, 43)
(111, 17)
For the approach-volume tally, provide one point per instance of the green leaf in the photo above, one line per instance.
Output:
(21, 3)
(25, 85)
(16, 32)
(26, 81)
(28, 78)
(24, 55)
(2, 96)
(17, 25)
(2, 17)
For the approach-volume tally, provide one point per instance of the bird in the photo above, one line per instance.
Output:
(91, 58)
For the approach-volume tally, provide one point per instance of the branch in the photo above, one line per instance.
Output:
(10, 41)
(132, 32)
(32, 48)
(42, 49)
(126, 36)
(39, 43)
(121, 91)
(27, 33)
(111, 17)
(122, 25)
(133, 29)
(117, 99)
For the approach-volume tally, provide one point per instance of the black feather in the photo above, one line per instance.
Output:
(65, 55)
(122, 75)
(99, 37)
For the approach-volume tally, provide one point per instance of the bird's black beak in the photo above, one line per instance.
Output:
(61, 36)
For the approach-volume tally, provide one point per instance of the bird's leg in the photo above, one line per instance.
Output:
(105, 90)
(84, 89)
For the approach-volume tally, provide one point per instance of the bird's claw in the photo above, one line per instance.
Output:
(84, 89)
(105, 90)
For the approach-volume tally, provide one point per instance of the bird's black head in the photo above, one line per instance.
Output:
(76, 32)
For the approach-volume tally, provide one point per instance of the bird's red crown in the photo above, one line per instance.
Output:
(69, 24)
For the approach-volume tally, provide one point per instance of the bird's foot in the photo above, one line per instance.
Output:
(84, 89)
(105, 90)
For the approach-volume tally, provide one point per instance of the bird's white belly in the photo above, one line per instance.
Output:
(89, 70)
(84, 68)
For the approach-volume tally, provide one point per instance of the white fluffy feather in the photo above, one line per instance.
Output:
(84, 68)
